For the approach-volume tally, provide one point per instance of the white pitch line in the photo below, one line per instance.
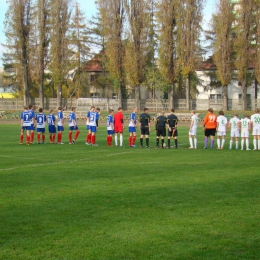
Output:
(55, 163)
(6, 156)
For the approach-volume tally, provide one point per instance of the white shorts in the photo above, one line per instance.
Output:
(245, 134)
(256, 130)
(234, 133)
(221, 133)
(193, 131)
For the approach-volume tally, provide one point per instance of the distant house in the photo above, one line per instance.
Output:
(94, 70)
(207, 74)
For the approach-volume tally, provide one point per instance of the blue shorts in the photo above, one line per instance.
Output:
(26, 127)
(60, 128)
(110, 132)
(132, 129)
(93, 129)
(52, 129)
(40, 130)
(73, 128)
(87, 127)
(31, 127)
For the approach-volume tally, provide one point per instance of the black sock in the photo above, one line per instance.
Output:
(141, 141)
(162, 141)
(157, 141)
(147, 141)
(176, 142)
(169, 143)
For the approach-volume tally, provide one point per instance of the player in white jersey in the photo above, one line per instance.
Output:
(132, 128)
(92, 122)
(110, 127)
(221, 129)
(193, 130)
(245, 128)
(26, 122)
(234, 124)
(255, 125)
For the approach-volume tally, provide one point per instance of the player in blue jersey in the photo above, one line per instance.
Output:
(92, 122)
(40, 119)
(110, 127)
(132, 128)
(60, 124)
(33, 123)
(26, 122)
(73, 126)
(51, 120)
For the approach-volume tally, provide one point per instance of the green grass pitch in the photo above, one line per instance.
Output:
(62, 202)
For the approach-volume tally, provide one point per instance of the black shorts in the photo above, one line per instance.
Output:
(145, 130)
(160, 131)
(210, 132)
(174, 131)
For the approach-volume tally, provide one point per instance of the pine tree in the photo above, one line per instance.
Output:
(188, 37)
(60, 18)
(223, 22)
(166, 20)
(17, 32)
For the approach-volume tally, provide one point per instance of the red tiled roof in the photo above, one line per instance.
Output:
(95, 64)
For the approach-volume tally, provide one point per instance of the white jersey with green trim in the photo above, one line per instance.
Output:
(255, 119)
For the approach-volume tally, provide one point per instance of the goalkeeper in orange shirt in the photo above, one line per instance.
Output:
(210, 125)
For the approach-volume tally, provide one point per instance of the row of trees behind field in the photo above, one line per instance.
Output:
(149, 43)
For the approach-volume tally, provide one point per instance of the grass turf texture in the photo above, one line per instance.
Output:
(81, 202)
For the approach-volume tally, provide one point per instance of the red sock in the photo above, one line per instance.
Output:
(53, 137)
(59, 138)
(43, 138)
(108, 138)
(93, 139)
(129, 140)
(134, 139)
(50, 138)
(21, 138)
(76, 135)
(28, 139)
(38, 137)
(32, 137)
(89, 138)
(70, 137)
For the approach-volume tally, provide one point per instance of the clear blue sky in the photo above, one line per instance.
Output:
(88, 6)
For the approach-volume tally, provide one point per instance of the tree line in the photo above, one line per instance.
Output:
(149, 43)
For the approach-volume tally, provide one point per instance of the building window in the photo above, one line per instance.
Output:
(215, 96)
(114, 96)
(248, 96)
(93, 78)
(94, 95)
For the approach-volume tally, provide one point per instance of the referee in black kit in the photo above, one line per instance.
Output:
(160, 124)
(172, 121)
(145, 127)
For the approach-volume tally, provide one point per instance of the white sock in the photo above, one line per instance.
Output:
(121, 140)
(223, 142)
(116, 139)
(190, 139)
(255, 144)
(218, 142)
(230, 144)
(247, 144)
(195, 142)
(242, 144)
(236, 144)
(258, 144)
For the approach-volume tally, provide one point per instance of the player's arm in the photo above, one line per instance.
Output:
(97, 118)
(122, 121)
